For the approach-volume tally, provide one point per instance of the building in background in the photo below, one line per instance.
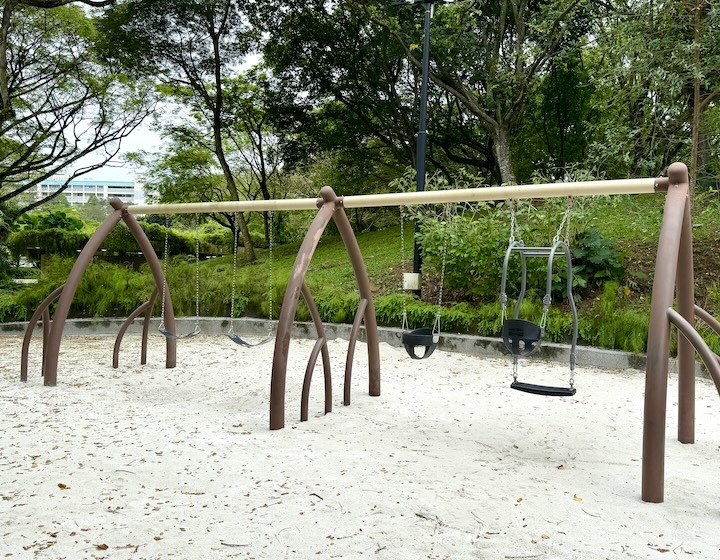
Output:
(80, 190)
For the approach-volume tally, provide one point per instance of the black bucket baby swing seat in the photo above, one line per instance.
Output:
(231, 334)
(424, 338)
(521, 337)
(196, 329)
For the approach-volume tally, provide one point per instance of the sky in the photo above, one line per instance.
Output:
(141, 138)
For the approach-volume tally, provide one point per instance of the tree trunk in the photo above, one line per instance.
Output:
(6, 111)
(693, 171)
(501, 145)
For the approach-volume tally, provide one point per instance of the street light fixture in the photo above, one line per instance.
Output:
(412, 281)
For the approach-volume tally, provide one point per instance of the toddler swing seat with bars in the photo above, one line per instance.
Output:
(522, 337)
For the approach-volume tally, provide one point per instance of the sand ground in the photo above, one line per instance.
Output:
(147, 463)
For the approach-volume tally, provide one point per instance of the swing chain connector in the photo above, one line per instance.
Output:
(564, 226)
(515, 369)
(436, 328)
(547, 300)
(515, 235)
(572, 370)
(503, 305)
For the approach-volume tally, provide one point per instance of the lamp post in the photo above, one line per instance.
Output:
(412, 282)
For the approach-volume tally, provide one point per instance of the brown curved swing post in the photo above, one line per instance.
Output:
(320, 347)
(73, 281)
(43, 311)
(673, 274)
(146, 308)
(330, 207)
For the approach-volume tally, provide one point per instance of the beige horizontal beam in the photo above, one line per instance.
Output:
(548, 190)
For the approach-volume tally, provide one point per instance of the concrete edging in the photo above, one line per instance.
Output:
(450, 342)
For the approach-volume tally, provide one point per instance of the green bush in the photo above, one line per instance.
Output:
(475, 251)
(58, 219)
(32, 242)
(595, 259)
(122, 241)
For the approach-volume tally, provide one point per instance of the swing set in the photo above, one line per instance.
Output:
(673, 274)
(231, 334)
(521, 337)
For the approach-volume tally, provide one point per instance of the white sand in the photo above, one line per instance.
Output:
(144, 462)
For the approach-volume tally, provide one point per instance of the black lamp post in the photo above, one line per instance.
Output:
(421, 146)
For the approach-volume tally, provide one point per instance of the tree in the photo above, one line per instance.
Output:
(487, 55)
(356, 98)
(660, 73)
(250, 97)
(553, 135)
(189, 46)
(60, 103)
(94, 209)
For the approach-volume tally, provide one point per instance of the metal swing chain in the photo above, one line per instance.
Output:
(270, 243)
(564, 227)
(404, 325)
(197, 273)
(514, 229)
(565, 223)
(446, 237)
(515, 234)
(164, 271)
(234, 273)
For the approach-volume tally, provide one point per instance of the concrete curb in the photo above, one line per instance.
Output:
(466, 344)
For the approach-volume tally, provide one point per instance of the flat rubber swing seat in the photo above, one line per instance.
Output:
(543, 389)
(420, 337)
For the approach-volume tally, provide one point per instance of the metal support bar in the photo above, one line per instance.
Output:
(518, 192)
(698, 345)
(354, 333)
(146, 308)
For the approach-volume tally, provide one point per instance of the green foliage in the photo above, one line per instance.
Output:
(11, 309)
(60, 242)
(121, 240)
(58, 219)
(614, 324)
(595, 259)
(214, 239)
(475, 250)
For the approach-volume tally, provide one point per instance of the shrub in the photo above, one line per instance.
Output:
(475, 251)
(595, 259)
(122, 241)
(32, 242)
